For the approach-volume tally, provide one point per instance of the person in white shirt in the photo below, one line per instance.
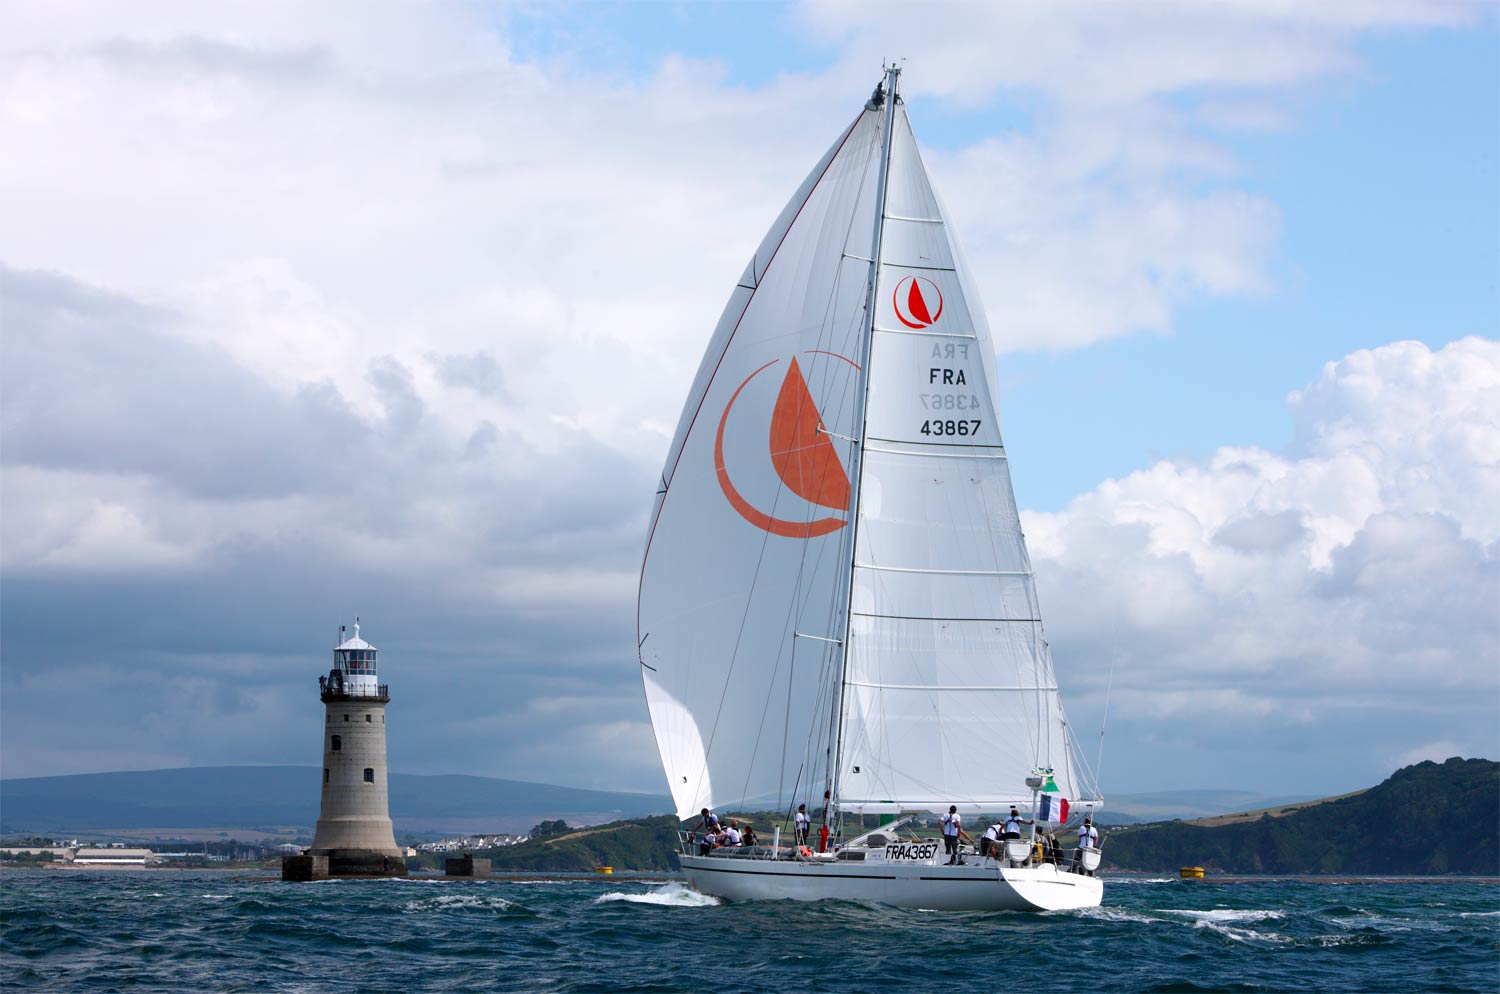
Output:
(1088, 838)
(953, 829)
(730, 835)
(804, 824)
(987, 844)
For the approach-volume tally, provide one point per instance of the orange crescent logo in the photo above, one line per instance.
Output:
(802, 455)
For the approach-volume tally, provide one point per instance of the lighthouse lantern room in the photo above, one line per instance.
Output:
(355, 667)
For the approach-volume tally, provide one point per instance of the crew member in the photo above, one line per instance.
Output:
(747, 836)
(731, 835)
(987, 844)
(953, 830)
(827, 815)
(706, 830)
(1012, 825)
(804, 824)
(1088, 838)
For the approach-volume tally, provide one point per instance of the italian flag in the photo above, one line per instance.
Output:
(1052, 807)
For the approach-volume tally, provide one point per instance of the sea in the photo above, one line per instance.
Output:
(186, 931)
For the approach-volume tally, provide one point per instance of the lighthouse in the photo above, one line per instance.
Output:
(354, 836)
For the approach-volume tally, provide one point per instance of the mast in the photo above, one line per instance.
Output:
(856, 453)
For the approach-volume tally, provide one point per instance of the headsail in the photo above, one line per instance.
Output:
(950, 695)
(754, 571)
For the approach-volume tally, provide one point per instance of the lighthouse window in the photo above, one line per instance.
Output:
(338, 743)
(346, 717)
(368, 719)
(325, 774)
(369, 775)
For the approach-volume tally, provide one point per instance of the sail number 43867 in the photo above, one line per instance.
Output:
(962, 427)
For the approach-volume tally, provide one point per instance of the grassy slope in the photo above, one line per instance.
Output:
(1280, 811)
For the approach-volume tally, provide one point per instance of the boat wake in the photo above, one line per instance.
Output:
(672, 895)
(1233, 923)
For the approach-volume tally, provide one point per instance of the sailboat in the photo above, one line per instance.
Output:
(836, 605)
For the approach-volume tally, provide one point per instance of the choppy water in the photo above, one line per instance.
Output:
(187, 931)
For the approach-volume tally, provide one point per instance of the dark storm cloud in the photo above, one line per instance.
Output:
(492, 574)
(90, 382)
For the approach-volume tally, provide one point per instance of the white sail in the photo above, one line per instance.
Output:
(949, 692)
(754, 573)
(747, 557)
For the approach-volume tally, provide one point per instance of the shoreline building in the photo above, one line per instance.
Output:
(354, 837)
(113, 856)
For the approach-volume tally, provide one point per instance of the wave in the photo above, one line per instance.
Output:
(673, 895)
(455, 901)
(1226, 914)
(1108, 913)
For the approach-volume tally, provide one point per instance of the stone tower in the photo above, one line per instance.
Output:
(354, 827)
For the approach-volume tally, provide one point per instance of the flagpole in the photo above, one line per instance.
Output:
(1035, 782)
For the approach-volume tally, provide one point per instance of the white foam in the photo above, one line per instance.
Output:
(673, 895)
(1109, 914)
(458, 901)
(1241, 934)
(1218, 920)
(1226, 914)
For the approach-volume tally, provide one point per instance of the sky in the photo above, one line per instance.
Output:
(310, 312)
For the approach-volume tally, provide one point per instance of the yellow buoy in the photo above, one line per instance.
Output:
(607, 870)
(1191, 872)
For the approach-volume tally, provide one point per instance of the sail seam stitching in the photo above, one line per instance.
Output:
(926, 617)
(944, 686)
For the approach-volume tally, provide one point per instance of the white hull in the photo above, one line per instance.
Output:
(973, 887)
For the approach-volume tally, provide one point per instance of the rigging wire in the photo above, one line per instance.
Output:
(1109, 684)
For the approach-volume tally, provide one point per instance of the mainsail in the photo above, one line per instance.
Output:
(814, 615)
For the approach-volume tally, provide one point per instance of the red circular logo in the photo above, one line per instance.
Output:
(918, 302)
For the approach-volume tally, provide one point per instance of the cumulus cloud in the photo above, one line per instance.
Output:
(310, 310)
(1120, 202)
(155, 521)
(1351, 583)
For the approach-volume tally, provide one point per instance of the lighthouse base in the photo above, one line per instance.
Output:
(342, 864)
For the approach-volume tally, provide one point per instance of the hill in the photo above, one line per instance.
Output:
(631, 844)
(267, 796)
(1166, 805)
(1274, 811)
(1425, 819)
